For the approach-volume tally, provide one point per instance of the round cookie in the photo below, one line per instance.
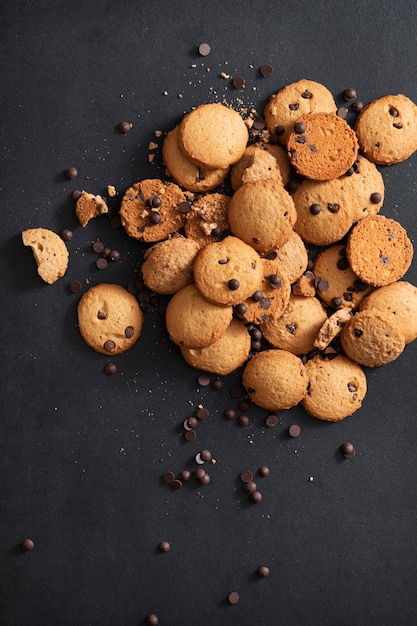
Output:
(225, 355)
(399, 299)
(207, 221)
(49, 251)
(373, 338)
(270, 300)
(322, 146)
(213, 136)
(262, 214)
(255, 164)
(365, 187)
(193, 321)
(228, 271)
(292, 257)
(151, 210)
(110, 319)
(387, 129)
(337, 284)
(336, 388)
(186, 173)
(324, 211)
(294, 100)
(275, 379)
(297, 328)
(168, 265)
(379, 250)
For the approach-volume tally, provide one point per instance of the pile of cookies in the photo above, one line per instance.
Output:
(234, 260)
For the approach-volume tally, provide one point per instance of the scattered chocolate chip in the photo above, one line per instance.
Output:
(204, 49)
(233, 284)
(110, 369)
(205, 455)
(66, 234)
(168, 477)
(243, 420)
(250, 486)
(246, 476)
(164, 546)
(229, 414)
(204, 480)
(217, 384)
(357, 106)
(239, 82)
(185, 475)
(71, 173)
(255, 497)
(203, 380)
(190, 435)
(124, 127)
(350, 94)
(271, 421)
(233, 597)
(27, 545)
(202, 413)
(347, 450)
(152, 619)
(76, 194)
(263, 571)
(176, 484)
(236, 391)
(263, 471)
(98, 247)
(342, 112)
(294, 430)
(199, 473)
(101, 263)
(266, 70)
(75, 286)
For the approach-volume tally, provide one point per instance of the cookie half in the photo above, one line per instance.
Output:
(49, 251)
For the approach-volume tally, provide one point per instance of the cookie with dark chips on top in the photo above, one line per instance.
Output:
(365, 186)
(207, 220)
(168, 264)
(379, 250)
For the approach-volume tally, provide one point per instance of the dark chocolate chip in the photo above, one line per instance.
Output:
(342, 264)
(184, 207)
(241, 308)
(279, 130)
(75, 286)
(71, 173)
(306, 94)
(347, 450)
(109, 345)
(66, 234)
(376, 197)
(203, 380)
(263, 571)
(291, 327)
(124, 127)
(255, 497)
(357, 106)
(229, 414)
(129, 332)
(246, 476)
(266, 70)
(98, 247)
(155, 218)
(233, 284)
(202, 413)
(217, 384)
(27, 545)
(168, 477)
(349, 94)
(176, 484)
(271, 421)
(250, 486)
(101, 314)
(204, 49)
(257, 296)
(233, 597)
(152, 619)
(333, 207)
(243, 420)
(398, 125)
(300, 128)
(110, 369)
(321, 284)
(342, 112)
(393, 112)
(294, 430)
(385, 260)
(114, 256)
(315, 209)
(164, 546)
(294, 106)
(336, 302)
(76, 194)
(263, 471)
(155, 201)
(101, 263)
(358, 332)
(190, 435)
(239, 82)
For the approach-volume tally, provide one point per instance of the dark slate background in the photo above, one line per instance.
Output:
(82, 453)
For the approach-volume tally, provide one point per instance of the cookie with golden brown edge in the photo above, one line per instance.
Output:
(297, 328)
(193, 321)
(223, 356)
(379, 250)
(213, 136)
(168, 265)
(228, 271)
(186, 173)
(324, 211)
(207, 220)
(291, 257)
(110, 319)
(281, 156)
(387, 129)
(286, 106)
(262, 214)
(336, 388)
(152, 209)
(337, 284)
(49, 251)
(270, 300)
(331, 328)
(89, 206)
(255, 164)
(373, 338)
(322, 146)
(365, 186)
(399, 299)
(275, 379)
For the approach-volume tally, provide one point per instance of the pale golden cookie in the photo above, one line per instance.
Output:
(387, 129)
(255, 164)
(322, 146)
(208, 221)
(324, 211)
(331, 328)
(291, 257)
(336, 388)
(337, 284)
(262, 214)
(110, 319)
(270, 300)
(297, 328)
(213, 136)
(152, 209)
(49, 252)
(379, 250)
(281, 156)
(168, 265)
(365, 187)
(228, 271)
(399, 299)
(186, 173)
(89, 206)
(275, 379)
(193, 321)
(373, 338)
(225, 355)
(294, 100)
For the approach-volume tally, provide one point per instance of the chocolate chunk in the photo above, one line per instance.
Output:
(266, 70)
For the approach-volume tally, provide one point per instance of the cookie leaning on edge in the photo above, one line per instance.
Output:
(49, 251)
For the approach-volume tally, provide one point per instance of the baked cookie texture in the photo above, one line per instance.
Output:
(193, 321)
(336, 388)
(293, 101)
(275, 379)
(224, 355)
(89, 206)
(213, 136)
(186, 173)
(262, 214)
(387, 129)
(151, 210)
(373, 338)
(322, 146)
(228, 271)
(365, 187)
(255, 164)
(168, 265)
(292, 257)
(399, 299)
(331, 328)
(208, 221)
(379, 250)
(110, 319)
(49, 251)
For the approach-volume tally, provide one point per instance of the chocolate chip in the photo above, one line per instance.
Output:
(321, 284)
(71, 173)
(271, 421)
(263, 571)
(291, 327)
(98, 247)
(357, 106)
(239, 82)
(190, 423)
(223, 261)
(199, 473)
(202, 413)
(101, 263)
(246, 476)
(164, 546)
(190, 435)
(75, 286)
(385, 260)
(342, 263)
(347, 450)
(294, 106)
(76, 194)
(176, 484)
(313, 148)
(263, 471)
(243, 420)
(124, 127)
(306, 94)
(342, 112)
(217, 384)
(393, 112)
(109, 345)
(168, 477)
(204, 49)
(204, 480)
(185, 475)
(155, 218)
(233, 284)
(129, 332)
(250, 486)
(336, 302)
(294, 430)
(155, 201)
(376, 197)
(266, 70)
(300, 128)
(203, 380)
(398, 125)
(101, 314)
(315, 209)
(257, 296)
(233, 597)
(350, 94)
(205, 456)
(152, 619)
(255, 497)
(66, 234)
(241, 308)
(280, 130)
(333, 207)
(229, 414)
(110, 369)
(27, 545)
(114, 256)
(358, 332)
(352, 387)
(301, 139)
